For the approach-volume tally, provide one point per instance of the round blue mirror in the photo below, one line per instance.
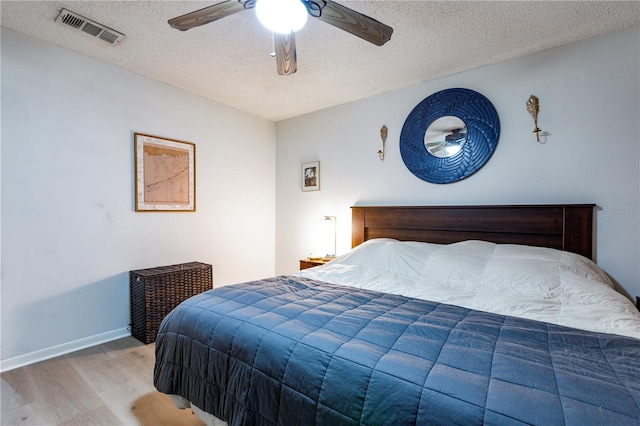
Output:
(449, 136)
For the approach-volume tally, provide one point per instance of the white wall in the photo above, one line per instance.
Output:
(69, 231)
(589, 99)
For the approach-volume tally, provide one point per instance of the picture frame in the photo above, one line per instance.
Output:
(311, 176)
(165, 174)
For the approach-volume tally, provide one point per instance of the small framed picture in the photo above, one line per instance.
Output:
(311, 176)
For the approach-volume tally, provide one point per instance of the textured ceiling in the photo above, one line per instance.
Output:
(228, 60)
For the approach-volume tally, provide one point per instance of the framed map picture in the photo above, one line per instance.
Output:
(165, 171)
(311, 176)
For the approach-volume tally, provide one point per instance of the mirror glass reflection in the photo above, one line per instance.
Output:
(445, 136)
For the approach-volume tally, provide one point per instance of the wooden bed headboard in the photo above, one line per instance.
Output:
(561, 226)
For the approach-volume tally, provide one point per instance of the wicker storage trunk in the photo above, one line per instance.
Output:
(156, 291)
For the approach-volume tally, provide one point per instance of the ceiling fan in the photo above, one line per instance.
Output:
(284, 43)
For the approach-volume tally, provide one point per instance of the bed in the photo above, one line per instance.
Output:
(439, 315)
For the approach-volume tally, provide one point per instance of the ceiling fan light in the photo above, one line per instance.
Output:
(282, 16)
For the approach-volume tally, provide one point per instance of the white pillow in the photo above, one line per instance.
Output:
(407, 258)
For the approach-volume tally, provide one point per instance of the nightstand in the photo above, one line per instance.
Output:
(308, 263)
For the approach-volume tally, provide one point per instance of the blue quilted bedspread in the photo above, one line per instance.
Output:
(292, 351)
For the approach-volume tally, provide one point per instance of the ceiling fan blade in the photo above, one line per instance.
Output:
(355, 23)
(208, 14)
(285, 45)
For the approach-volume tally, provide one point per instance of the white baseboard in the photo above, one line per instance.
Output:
(65, 348)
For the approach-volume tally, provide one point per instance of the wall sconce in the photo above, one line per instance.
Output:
(533, 106)
(383, 136)
(331, 237)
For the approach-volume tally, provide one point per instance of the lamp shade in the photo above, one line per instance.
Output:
(282, 16)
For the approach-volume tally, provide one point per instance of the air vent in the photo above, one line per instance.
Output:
(90, 27)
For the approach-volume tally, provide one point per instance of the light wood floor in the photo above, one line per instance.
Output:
(108, 384)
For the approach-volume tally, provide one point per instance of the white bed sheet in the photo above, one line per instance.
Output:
(529, 282)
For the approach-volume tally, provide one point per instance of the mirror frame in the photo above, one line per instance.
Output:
(483, 131)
